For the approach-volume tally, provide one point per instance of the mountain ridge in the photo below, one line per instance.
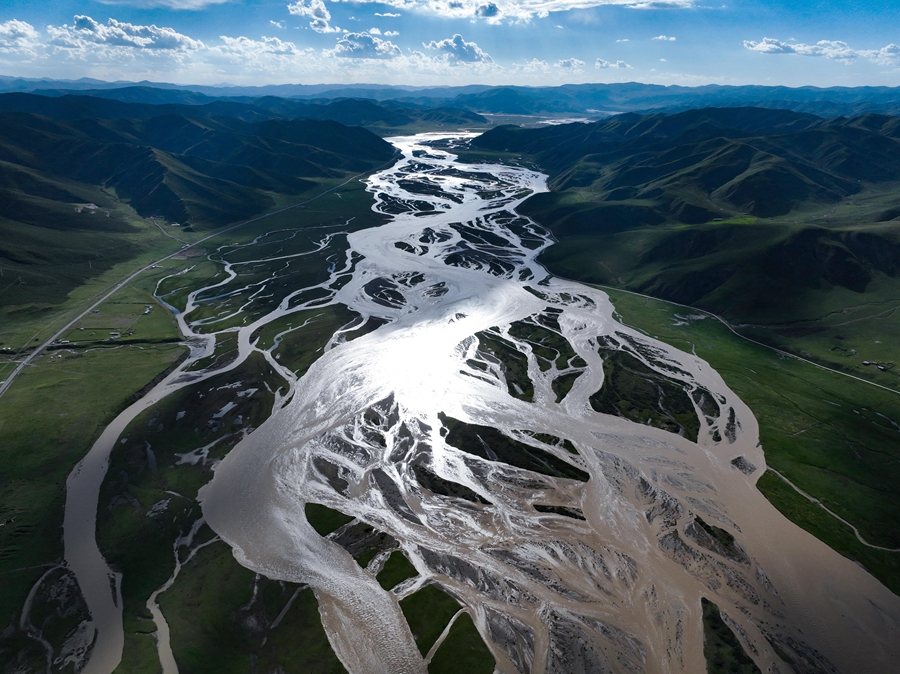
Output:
(71, 188)
(758, 215)
(591, 98)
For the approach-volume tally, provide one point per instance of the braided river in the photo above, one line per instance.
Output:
(587, 558)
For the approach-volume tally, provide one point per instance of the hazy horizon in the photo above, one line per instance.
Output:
(413, 42)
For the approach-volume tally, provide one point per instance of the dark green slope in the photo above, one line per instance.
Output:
(764, 216)
(205, 171)
(146, 103)
(635, 96)
(71, 186)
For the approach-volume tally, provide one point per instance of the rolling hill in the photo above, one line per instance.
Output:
(72, 182)
(145, 102)
(763, 216)
(597, 99)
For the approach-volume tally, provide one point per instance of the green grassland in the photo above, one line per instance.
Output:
(783, 280)
(219, 624)
(463, 650)
(396, 569)
(428, 611)
(830, 435)
(324, 519)
(634, 391)
(724, 653)
(29, 315)
(58, 406)
(48, 421)
(783, 223)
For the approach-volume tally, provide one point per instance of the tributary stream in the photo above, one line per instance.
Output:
(454, 276)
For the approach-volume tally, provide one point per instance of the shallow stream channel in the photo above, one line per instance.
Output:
(577, 486)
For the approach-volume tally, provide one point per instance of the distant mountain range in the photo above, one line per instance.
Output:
(758, 214)
(589, 99)
(144, 102)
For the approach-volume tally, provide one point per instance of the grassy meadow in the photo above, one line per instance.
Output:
(832, 436)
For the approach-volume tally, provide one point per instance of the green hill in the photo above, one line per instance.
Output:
(71, 185)
(764, 216)
(151, 103)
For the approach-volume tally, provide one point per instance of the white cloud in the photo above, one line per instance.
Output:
(387, 14)
(601, 63)
(572, 65)
(886, 56)
(85, 31)
(363, 46)
(168, 4)
(836, 50)
(625, 39)
(456, 50)
(769, 45)
(665, 38)
(374, 31)
(317, 12)
(244, 46)
(534, 65)
(495, 11)
(277, 24)
(391, 33)
(17, 36)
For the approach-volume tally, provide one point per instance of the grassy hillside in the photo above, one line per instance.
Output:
(832, 436)
(786, 224)
(146, 102)
(77, 187)
(221, 616)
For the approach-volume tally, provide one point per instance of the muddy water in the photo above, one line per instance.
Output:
(620, 590)
(617, 591)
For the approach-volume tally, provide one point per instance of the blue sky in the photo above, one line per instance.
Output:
(433, 42)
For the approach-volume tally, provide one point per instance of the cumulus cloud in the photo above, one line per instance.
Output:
(277, 24)
(887, 56)
(168, 4)
(387, 14)
(488, 11)
(601, 63)
(534, 65)
(665, 38)
(456, 50)
(836, 50)
(364, 46)
(17, 36)
(572, 65)
(244, 46)
(391, 33)
(317, 12)
(85, 31)
(495, 11)
(117, 50)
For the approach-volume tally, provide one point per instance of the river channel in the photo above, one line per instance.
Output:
(590, 558)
